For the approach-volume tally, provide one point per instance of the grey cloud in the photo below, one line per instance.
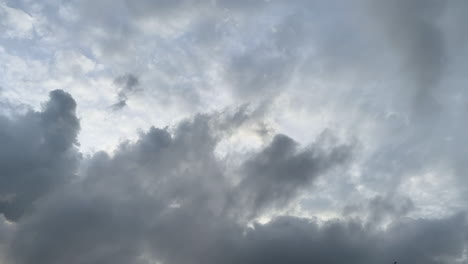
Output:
(307, 39)
(271, 58)
(278, 172)
(119, 105)
(259, 72)
(99, 224)
(80, 227)
(166, 9)
(185, 236)
(284, 41)
(165, 204)
(38, 153)
(242, 5)
(381, 209)
(296, 240)
(165, 197)
(128, 85)
(301, 241)
(403, 58)
(6, 231)
(411, 28)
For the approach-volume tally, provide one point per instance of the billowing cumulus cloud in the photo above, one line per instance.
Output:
(167, 189)
(38, 153)
(166, 197)
(241, 132)
(278, 172)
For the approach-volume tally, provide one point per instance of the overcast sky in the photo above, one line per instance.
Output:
(233, 131)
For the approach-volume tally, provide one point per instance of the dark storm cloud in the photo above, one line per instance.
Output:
(81, 227)
(38, 153)
(166, 203)
(279, 171)
(166, 197)
(100, 232)
(296, 240)
(128, 85)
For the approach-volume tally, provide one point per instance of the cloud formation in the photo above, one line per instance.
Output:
(127, 85)
(279, 171)
(168, 189)
(412, 31)
(171, 200)
(38, 153)
(259, 131)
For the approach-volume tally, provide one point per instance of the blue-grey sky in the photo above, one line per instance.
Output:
(233, 131)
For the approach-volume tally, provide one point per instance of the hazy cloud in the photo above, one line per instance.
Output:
(127, 85)
(411, 28)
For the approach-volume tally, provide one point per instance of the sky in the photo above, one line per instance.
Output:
(233, 131)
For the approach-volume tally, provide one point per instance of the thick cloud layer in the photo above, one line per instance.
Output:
(300, 241)
(38, 153)
(167, 197)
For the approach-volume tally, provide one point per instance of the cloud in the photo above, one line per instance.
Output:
(238, 185)
(99, 230)
(38, 153)
(6, 231)
(259, 72)
(165, 197)
(80, 228)
(296, 240)
(281, 170)
(381, 210)
(127, 84)
(170, 201)
(15, 22)
(411, 29)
